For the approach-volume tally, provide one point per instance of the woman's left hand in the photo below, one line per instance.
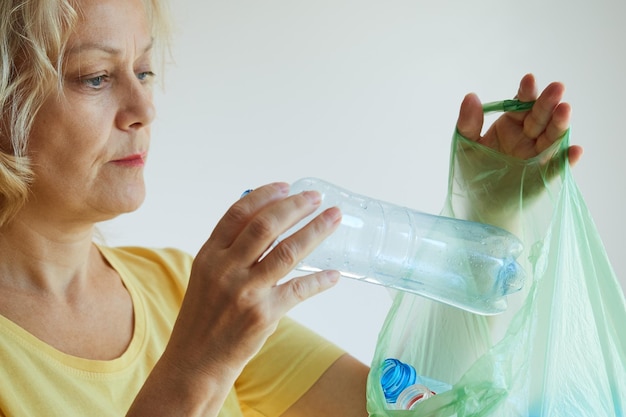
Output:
(522, 134)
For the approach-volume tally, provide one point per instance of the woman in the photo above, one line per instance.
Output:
(91, 330)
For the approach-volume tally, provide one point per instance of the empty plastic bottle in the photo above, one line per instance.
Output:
(465, 264)
(404, 388)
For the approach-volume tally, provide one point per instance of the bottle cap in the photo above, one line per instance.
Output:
(395, 377)
(511, 277)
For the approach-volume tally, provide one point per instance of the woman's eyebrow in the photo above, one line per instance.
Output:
(99, 46)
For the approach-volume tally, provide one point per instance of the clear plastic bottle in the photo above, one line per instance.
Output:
(465, 264)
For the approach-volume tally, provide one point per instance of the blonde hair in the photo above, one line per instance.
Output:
(33, 38)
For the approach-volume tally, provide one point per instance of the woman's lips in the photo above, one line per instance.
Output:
(135, 160)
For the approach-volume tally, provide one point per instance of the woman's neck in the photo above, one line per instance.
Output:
(59, 287)
(40, 257)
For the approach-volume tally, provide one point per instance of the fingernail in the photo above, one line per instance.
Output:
(333, 214)
(313, 196)
(332, 276)
(282, 187)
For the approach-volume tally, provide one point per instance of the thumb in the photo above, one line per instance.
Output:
(470, 121)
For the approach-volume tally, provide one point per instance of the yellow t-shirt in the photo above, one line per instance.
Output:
(38, 380)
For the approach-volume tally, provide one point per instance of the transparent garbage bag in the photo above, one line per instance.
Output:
(559, 349)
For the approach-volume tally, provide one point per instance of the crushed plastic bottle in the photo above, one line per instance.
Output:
(465, 264)
(404, 388)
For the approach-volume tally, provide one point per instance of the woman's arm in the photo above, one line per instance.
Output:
(340, 392)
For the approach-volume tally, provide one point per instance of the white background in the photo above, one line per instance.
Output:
(365, 94)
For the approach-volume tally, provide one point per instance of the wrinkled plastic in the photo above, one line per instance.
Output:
(560, 349)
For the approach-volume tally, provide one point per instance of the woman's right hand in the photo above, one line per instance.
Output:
(234, 300)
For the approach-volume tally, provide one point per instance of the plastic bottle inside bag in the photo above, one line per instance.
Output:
(465, 264)
(404, 388)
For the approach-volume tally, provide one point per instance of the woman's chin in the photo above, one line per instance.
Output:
(122, 205)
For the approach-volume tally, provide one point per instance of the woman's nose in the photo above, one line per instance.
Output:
(136, 106)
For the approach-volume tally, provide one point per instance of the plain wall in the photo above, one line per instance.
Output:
(366, 94)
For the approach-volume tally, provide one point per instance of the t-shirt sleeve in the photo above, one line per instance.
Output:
(289, 363)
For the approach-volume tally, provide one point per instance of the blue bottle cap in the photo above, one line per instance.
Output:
(511, 276)
(395, 377)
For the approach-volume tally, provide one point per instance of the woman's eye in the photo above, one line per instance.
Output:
(95, 82)
(145, 75)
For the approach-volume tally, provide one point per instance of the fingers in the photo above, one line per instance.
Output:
(288, 253)
(470, 121)
(527, 90)
(296, 290)
(297, 246)
(543, 110)
(574, 153)
(253, 224)
(272, 220)
(556, 127)
(240, 213)
(233, 298)
(551, 113)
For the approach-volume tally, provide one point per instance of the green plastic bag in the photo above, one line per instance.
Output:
(560, 349)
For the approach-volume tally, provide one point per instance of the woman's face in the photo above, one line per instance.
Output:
(89, 145)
